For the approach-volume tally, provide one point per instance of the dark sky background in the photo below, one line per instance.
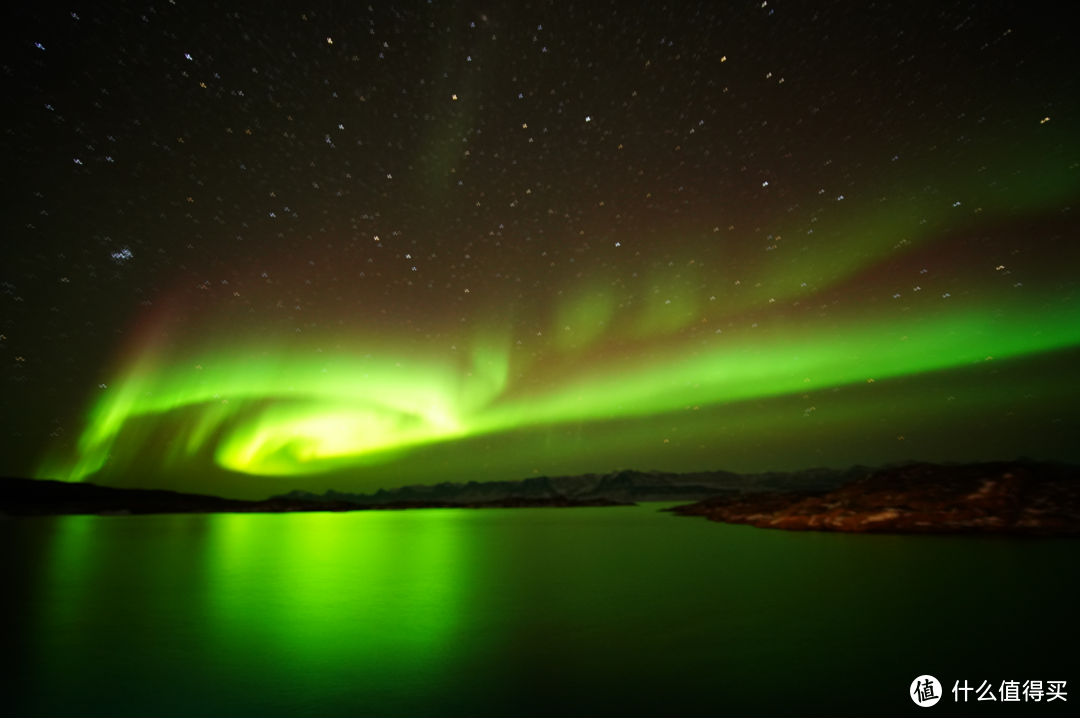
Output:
(256, 247)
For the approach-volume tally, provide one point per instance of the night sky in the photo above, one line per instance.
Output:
(255, 247)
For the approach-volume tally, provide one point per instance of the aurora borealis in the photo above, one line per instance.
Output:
(359, 247)
(299, 415)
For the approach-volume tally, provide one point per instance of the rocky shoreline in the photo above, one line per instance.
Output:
(1026, 498)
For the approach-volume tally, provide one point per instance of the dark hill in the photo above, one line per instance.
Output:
(28, 497)
(619, 486)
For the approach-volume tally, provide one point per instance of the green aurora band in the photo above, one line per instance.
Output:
(302, 415)
(270, 409)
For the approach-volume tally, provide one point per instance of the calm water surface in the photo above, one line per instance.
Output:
(513, 612)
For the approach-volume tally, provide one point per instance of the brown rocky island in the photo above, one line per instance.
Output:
(1018, 497)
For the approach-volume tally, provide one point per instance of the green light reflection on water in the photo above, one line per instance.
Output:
(398, 585)
(486, 612)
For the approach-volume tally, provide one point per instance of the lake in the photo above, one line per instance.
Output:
(508, 612)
